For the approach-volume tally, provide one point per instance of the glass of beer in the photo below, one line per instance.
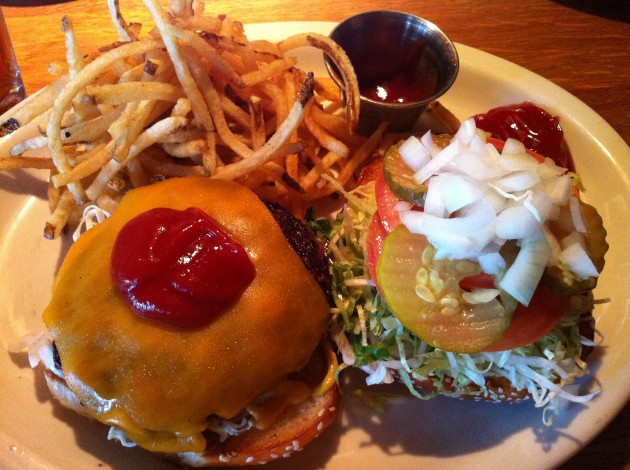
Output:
(11, 86)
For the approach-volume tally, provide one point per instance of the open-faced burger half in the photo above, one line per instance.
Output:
(189, 324)
(466, 265)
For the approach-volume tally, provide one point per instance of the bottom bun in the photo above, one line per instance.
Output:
(496, 389)
(295, 427)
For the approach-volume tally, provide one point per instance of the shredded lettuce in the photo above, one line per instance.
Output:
(370, 337)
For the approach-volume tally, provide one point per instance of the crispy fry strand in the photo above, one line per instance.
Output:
(214, 104)
(124, 31)
(324, 138)
(337, 54)
(147, 138)
(167, 31)
(83, 78)
(58, 219)
(133, 91)
(93, 162)
(283, 132)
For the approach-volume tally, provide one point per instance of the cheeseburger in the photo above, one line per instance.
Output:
(191, 323)
(465, 265)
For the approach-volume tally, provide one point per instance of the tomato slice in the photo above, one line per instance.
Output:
(386, 202)
(531, 323)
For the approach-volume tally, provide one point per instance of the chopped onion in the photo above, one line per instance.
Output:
(522, 277)
(517, 162)
(515, 223)
(518, 181)
(403, 206)
(458, 192)
(515, 147)
(478, 198)
(437, 162)
(467, 131)
(539, 204)
(558, 188)
(573, 237)
(478, 166)
(436, 227)
(491, 263)
(414, 154)
(554, 246)
(576, 259)
(576, 214)
(548, 169)
(427, 141)
(434, 202)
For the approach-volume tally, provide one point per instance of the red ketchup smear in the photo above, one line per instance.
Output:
(536, 128)
(179, 267)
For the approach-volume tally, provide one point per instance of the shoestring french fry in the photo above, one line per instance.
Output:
(125, 32)
(191, 95)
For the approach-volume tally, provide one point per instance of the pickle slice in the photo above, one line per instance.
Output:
(399, 177)
(424, 294)
(558, 279)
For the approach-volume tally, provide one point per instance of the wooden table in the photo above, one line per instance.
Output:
(583, 46)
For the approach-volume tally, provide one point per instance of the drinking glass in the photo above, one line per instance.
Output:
(11, 86)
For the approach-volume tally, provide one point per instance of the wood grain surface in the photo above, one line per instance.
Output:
(582, 46)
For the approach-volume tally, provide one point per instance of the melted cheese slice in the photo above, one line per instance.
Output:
(157, 383)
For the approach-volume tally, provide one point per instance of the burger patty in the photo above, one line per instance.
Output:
(311, 250)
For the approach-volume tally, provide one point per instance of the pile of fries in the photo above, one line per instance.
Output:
(193, 96)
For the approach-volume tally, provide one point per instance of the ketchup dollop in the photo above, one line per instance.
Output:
(533, 126)
(179, 267)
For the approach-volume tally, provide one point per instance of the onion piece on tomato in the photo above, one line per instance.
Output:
(522, 277)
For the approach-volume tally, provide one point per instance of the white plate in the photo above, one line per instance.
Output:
(37, 433)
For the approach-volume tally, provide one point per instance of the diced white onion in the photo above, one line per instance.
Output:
(554, 246)
(570, 239)
(478, 166)
(515, 223)
(517, 162)
(576, 214)
(437, 162)
(403, 206)
(434, 202)
(479, 197)
(548, 169)
(414, 154)
(458, 192)
(558, 188)
(539, 204)
(467, 130)
(480, 296)
(522, 277)
(518, 181)
(491, 263)
(427, 141)
(576, 259)
(477, 217)
(514, 147)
